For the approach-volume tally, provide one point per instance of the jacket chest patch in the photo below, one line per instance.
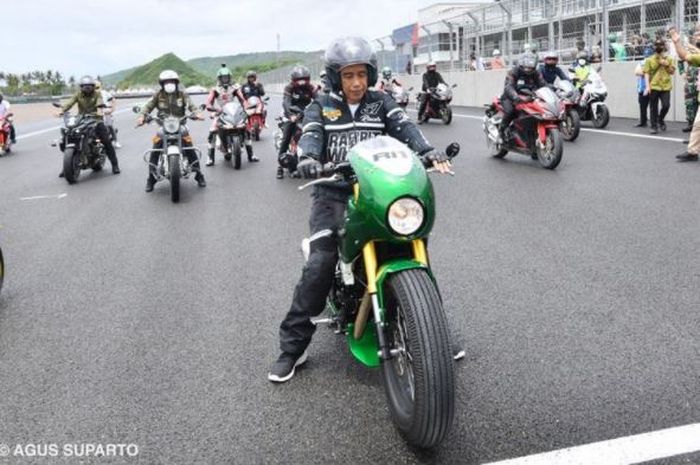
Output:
(332, 114)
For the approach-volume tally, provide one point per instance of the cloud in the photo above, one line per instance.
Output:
(84, 36)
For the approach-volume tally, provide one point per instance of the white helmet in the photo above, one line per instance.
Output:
(496, 52)
(168, 75)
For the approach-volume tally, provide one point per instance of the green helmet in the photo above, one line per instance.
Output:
(224, 76)
(386, 72)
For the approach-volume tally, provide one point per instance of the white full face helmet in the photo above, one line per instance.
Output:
(169, 80)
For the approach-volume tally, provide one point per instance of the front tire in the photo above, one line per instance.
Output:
(550, 155)
(175, 177)
(419, 381)
(602, 118)
(71, 166)
(572, 127)
(236, 149)
(447, 115)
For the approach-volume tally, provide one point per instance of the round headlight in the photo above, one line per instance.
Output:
(406, 216)
(171, 125)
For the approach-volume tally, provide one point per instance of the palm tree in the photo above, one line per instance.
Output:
(49, 76)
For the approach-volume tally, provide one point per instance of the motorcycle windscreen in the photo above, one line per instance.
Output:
(234, 112)
(565, 86)
(549, 98)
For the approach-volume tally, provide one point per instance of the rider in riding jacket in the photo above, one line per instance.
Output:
(297, 95)
(224, 92)
(388, 81)
(522, 77)
(170, 101)
(431, 79)
(550, 70)
(253, 88)
(90, 103)
(332, 124)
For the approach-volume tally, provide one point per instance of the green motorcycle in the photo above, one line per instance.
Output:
(384, 271)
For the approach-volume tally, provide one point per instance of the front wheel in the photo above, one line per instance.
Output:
(175, 176)
(601, 118)
(256, 132)
(236, 149)
(71, 165)
(419, 379)
(446, 115)
(571, 126)
(550, 154)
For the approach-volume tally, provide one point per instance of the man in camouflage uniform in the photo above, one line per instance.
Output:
(690, 73)
(170, 101)
(90, 103)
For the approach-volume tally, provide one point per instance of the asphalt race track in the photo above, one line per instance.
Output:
(126, 318)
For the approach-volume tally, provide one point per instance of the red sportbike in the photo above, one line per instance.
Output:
(5, 142)
(534, 132)
(255, 107)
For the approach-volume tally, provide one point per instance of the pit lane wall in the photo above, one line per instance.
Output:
(476, 88)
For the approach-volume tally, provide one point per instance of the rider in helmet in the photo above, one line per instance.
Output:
(581, 69)
(170, 100)
(90, 103)
(497, 60)
(522, 77)
(110, 101)
(333, 123)
(549, 69)
(297, 95)
(5, 110)
(387, 81)
(253, 88)
(431, 78)
(224, 92)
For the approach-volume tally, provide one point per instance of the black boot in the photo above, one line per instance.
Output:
(210, 162)
(115, 169)
(199, 177)
(280, 172)
(61, 175)
(251, 158)
(150, 182)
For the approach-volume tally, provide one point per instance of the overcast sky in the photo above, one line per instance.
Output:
(89, 37)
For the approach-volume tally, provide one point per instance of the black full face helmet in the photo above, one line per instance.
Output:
(87, 85)
(300, 75)
(347, 51)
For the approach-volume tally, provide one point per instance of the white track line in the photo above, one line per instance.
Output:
(622, 451)
(599, 131)
(38, 197)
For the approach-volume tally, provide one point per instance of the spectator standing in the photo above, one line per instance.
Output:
(658, 72)
(691, 153)
(642, 95)
(690, 89)
(497, 60)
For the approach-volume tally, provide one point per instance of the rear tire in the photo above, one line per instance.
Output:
(2, 269)
(602, 119)
(550, 156)
(236, 149)
(419, 381)
(71, 166)
(573, 126)
(256, 132)
(175, 176)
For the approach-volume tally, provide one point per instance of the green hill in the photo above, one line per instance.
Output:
(259, 61)
(147, 75)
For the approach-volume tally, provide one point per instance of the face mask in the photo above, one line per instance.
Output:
(582, 62)
(169, 88)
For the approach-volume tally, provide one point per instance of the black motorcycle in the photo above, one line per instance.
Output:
(289, 160)
(172, 164)
(81, 147)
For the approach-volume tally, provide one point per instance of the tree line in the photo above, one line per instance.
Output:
(48, 82)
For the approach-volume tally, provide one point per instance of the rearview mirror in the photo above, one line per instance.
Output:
(454, 85)
(266, 99)
(136, 109)
(202, 107)
(452, 150)
(410, 88)
(56, 104)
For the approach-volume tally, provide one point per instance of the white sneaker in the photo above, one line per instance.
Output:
(117, 145)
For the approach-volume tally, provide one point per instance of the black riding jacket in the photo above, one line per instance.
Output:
(432, 79)
(330, 130)
(298, 96)
(250, 90)
(551, 73)
(516, 80)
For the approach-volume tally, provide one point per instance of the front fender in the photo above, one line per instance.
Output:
(366, 348)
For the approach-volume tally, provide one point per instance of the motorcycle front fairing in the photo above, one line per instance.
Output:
(385, 171)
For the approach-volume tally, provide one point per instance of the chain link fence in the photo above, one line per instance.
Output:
(609, 30)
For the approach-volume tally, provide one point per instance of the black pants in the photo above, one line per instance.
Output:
(190, 154)
(317, 276)
(113, 133)
(288, 129)
(643, 108)
(656, 116)
(12, 133)
(509, 111)
(423, 103)
(103, 133)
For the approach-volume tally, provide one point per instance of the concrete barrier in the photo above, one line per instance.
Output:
(476, 88)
